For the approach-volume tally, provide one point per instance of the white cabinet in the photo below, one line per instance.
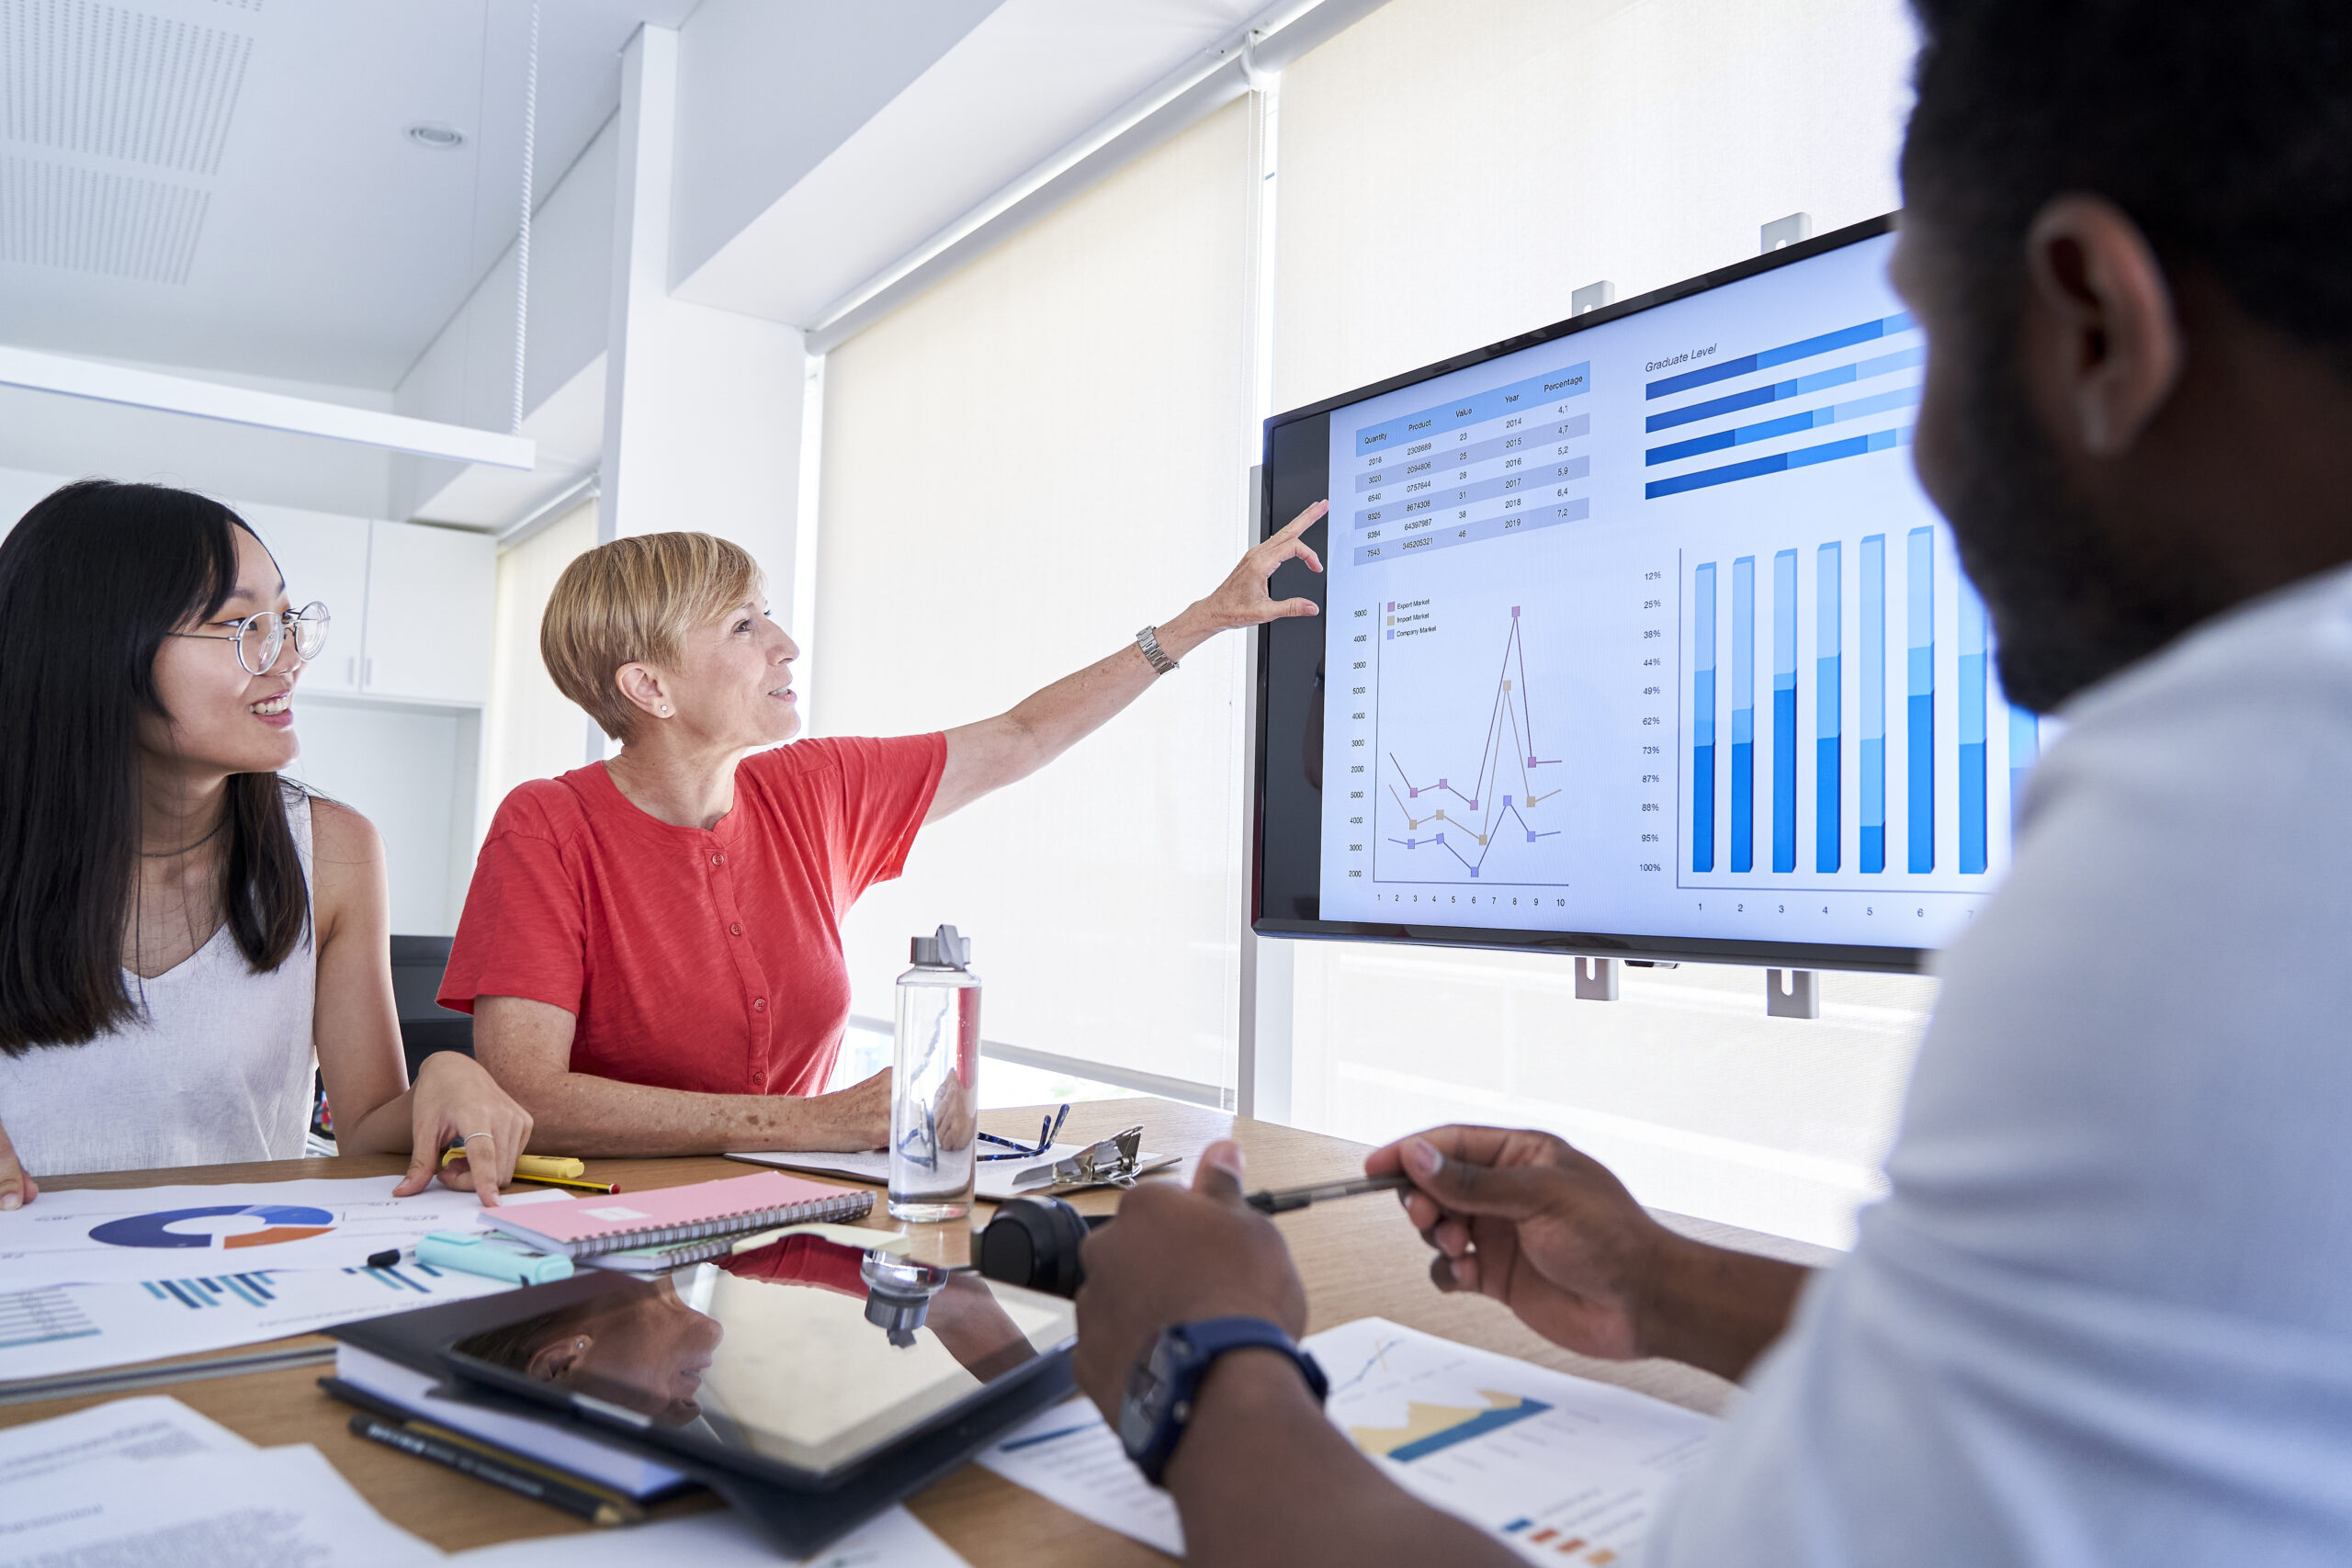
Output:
(323, 557)
(430, 595)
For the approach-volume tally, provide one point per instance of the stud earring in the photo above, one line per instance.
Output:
(665, 710)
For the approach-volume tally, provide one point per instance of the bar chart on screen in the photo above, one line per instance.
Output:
(1809, 793)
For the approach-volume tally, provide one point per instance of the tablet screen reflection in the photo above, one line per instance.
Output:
(771, 1350)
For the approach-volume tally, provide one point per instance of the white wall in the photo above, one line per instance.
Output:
(467, 376)
(702, 406)
(412, 771)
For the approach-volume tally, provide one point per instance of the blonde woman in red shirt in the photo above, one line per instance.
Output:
(651, 945)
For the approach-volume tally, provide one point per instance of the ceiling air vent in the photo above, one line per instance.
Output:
(114, 83)
(53, 215)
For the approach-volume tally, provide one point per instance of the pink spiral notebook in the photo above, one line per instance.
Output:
(581, 1227)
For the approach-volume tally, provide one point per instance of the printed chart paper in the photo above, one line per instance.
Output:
(88, 1237)
(1071, 1457)
(69, 1328)
(1566, 1471)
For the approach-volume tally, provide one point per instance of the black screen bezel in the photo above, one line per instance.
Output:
(1284, 686)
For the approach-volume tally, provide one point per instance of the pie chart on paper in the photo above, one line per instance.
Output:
(281, 1222)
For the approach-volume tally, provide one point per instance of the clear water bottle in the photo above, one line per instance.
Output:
(934, 1084)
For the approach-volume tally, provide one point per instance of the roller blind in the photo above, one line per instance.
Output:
(530, 729)
(1452, 170)
(1019, 468)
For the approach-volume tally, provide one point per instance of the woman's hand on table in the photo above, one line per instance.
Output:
(855, 1119)
(17, 1187)
(455, 1102)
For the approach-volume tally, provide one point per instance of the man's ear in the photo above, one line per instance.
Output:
(643, 687)
(553, 1363)
(2102, 340)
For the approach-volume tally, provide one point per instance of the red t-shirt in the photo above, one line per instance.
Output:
(693, 960)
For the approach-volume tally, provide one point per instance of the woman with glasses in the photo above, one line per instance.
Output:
(652, 946)
(183, 932)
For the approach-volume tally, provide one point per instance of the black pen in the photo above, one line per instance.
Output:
(1282, 1199)
(518, 1476)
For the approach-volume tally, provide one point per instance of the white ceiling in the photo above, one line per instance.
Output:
(228, 184)
(1025, 82)
(227, 187)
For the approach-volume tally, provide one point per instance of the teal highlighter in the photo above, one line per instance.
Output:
(474, 1253)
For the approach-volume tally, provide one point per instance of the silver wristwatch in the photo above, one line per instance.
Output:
(1148, 641)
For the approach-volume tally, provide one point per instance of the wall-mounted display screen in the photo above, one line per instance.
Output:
(1639, 636)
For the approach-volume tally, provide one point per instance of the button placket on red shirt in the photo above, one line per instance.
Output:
(758, 1014)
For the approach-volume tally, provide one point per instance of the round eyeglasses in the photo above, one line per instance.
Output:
(260, 638)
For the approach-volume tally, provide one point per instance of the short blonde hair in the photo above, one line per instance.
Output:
(632, 601)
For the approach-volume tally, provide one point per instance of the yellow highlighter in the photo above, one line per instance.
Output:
(536, 1167)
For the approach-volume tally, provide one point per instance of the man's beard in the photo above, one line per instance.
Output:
(2071, 602)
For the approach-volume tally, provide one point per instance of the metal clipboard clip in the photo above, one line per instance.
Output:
(1111, 1163)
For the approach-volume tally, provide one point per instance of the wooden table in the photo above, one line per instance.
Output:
(1358, 1257)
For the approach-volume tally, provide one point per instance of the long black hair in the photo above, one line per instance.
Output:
(91, 581)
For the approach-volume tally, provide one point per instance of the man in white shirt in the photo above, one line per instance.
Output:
(2104, 1314)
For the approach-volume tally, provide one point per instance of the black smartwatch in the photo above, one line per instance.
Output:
(1159, 1401)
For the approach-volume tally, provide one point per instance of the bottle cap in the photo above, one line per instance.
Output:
(942, 949)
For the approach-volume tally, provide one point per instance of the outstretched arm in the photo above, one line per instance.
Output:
(1001, 751)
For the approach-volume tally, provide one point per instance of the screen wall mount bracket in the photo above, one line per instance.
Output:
(1791, 993)
(1597, 979)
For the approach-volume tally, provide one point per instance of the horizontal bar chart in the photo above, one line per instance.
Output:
(1778, 462)
(1787, 354)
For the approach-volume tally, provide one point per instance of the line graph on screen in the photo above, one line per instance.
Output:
(1487, 821)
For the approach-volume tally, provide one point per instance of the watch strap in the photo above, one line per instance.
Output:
(1147, 639)
(1205, 1341)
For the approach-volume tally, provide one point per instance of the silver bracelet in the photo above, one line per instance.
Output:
(1148, 641)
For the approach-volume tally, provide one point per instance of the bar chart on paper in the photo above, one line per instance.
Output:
(1563, 1471)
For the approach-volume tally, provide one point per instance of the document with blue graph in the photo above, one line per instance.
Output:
(1651, 629)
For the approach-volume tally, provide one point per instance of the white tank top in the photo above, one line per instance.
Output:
(219, 1069)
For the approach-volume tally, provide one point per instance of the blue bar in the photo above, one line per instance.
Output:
(1972, 730)
(1779, 391)
(1845, 337)
(1803, 456)
(1742, 713)
(1703, 724)
(1787, 425)
(1874, 703)
(1784, 711)
(1828, 775)
(2025, 747)
(1477, 409)
(1919, 584)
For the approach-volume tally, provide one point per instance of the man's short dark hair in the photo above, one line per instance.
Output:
(2225, 130)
